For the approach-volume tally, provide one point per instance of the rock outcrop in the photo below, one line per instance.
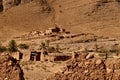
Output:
(89, 69)
(7, 4)
(9, 68)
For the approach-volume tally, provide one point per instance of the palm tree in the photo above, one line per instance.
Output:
(12, 47)
(44, 46)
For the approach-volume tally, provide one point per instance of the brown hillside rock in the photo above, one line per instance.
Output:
(9, 68)
(89, 69)
(7, 4)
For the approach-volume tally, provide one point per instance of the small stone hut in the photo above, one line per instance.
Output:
(37, 56)
(17, 55)
(52, 30)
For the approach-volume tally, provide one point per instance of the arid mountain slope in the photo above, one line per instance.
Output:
(90, 16)
(93, 16)
(23, 18)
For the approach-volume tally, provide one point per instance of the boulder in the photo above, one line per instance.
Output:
(90, 55)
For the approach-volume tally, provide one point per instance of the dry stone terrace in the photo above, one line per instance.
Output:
(66, 41)
(54, 32)
(60, 36)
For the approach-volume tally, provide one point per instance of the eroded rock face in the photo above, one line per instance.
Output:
(1, 6)
(7, 4)
(45, 6)
(9, 68)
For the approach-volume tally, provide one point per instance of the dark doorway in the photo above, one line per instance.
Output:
(62, 58)
(38, 56)
(20, 55)
(35, 56)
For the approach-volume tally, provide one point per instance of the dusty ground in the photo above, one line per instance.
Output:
(40, 70)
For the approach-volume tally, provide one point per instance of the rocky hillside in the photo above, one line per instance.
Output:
(93, 16)
(9, 68)
(90, 69)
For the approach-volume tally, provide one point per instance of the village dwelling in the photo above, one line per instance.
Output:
(37, 55)
(58, 57)
(54, 30)
(17, 55)
(40, 55)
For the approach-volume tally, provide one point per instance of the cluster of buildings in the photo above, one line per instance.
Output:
(43, 56)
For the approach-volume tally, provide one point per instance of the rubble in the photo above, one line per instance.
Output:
(89, 69)
(9, 68)
(82, 70)
(90, 55)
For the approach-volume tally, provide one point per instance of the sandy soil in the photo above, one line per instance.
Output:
(40, 70)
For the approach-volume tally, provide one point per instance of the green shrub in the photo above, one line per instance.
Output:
(23, 46)
(51, 49)
(12, 47)
(44, 45)
(3, 48)
(115, 49)
(96, 48)
(57, 48)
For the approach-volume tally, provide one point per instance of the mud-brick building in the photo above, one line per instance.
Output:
(17, 55)
(44, 56)
(35, 55)
(38, 55)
